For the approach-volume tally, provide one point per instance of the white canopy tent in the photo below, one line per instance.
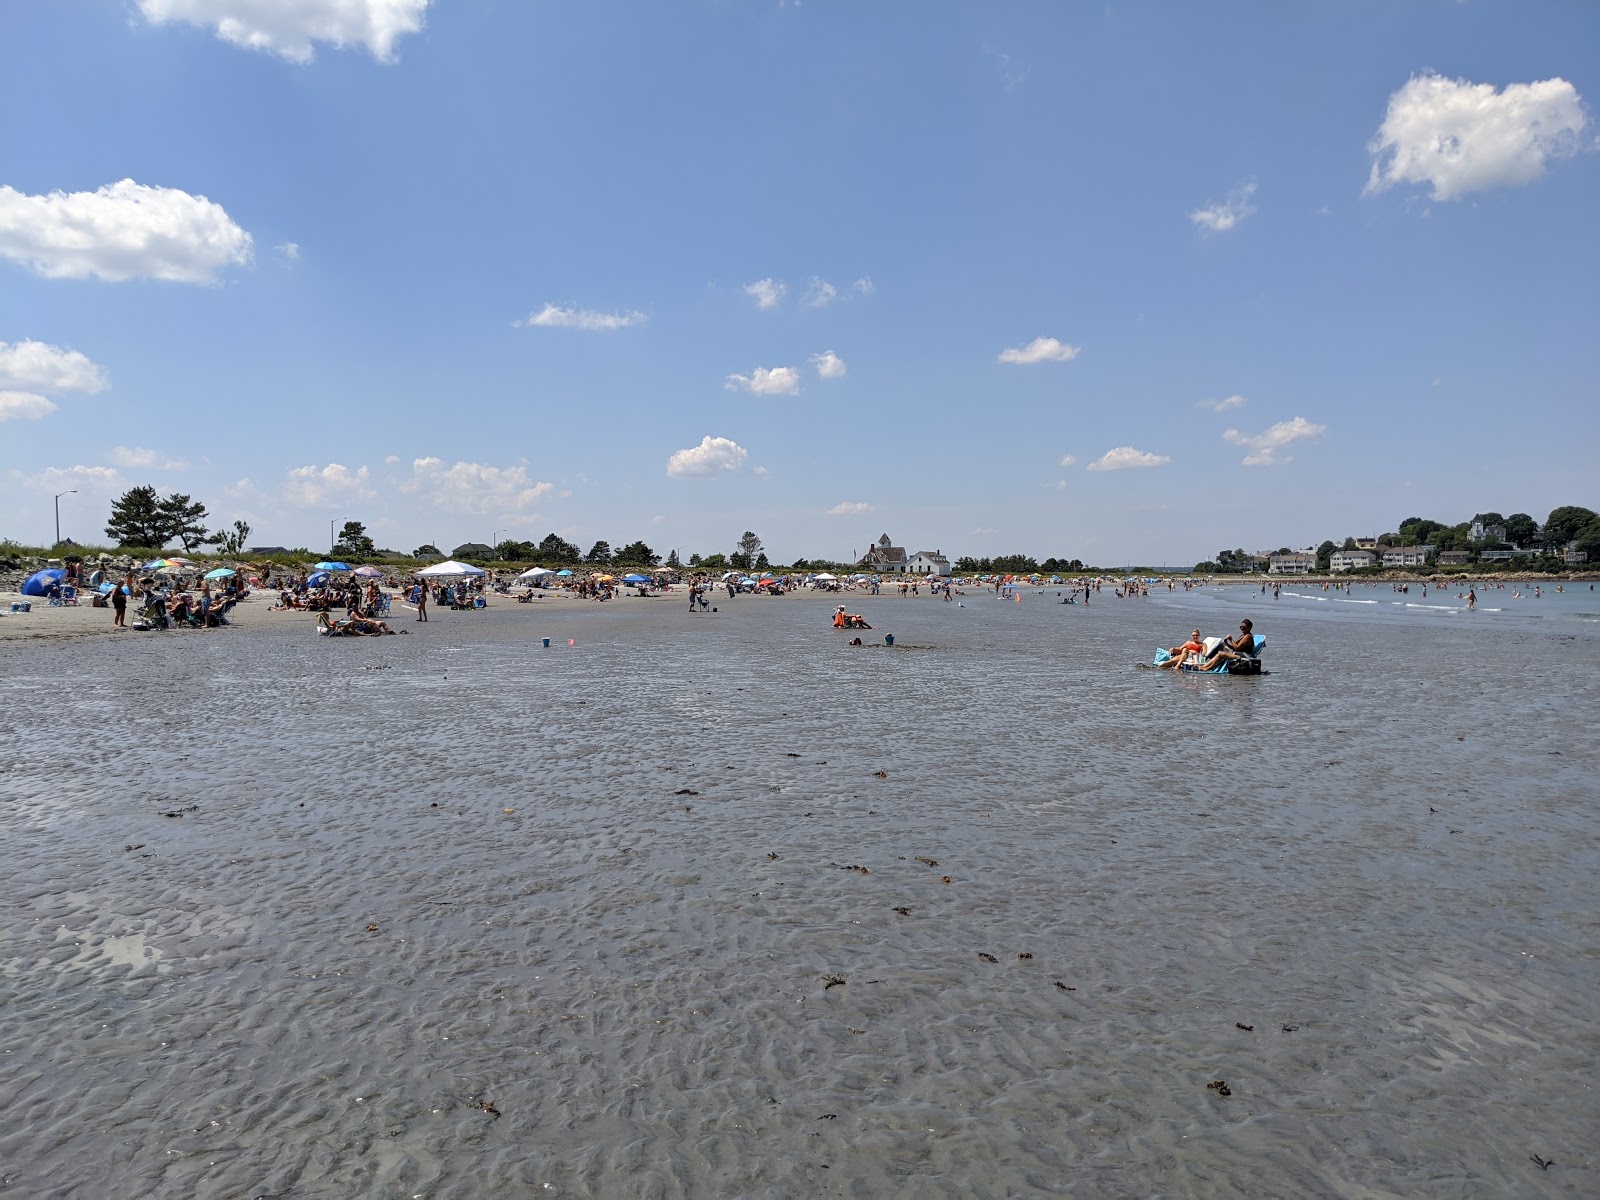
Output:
(449, 569)
(534, 573)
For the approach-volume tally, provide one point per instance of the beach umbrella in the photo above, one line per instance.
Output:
(636, 579)
(563, 573)
(368, 572)
(605, 578)
(40, 582)
(449, 568)
(330, 566)
(317, 579)
(220, 573)
(663, 571)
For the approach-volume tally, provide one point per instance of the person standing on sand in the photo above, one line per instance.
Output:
(422, 600)
(119, 603)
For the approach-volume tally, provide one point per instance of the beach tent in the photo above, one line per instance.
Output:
(636, 579)
(534, 573)
(449, 568)
(41, 582)
(825, 577)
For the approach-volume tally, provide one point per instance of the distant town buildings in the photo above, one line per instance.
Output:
(1479, 532)
(1406, 556)
(1302, 563)
(1454, 558)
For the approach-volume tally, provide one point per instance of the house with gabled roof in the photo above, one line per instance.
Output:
(884, 557)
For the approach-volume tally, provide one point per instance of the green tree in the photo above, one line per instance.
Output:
(1324, 555)
(231, 542)
(713, 562)
(672, 560)
(1489, 518)
(182, 519)
(1521, 529)
(514, 551)
(637, 554)
(136, 519)
(1563, 525)
(749, 546)
(427, 550)
(694, 560)
(353, 542)
(557, 549)
(599, 553)
(1204, 568)
(1349, 544)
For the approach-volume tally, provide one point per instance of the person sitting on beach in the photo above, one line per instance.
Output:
(1241, 647)
(841, 619)
(365, 625)
(856, 621)
(1180, 654)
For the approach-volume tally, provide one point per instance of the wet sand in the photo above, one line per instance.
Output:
(453, 914)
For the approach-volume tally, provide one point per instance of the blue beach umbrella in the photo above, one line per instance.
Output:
(40, 582)
(563, 572)
(320, 579)
(636, 579)
(221, 573)
(330, 566)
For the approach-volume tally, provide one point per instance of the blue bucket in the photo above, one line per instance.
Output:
(22, 606)
(888, 639)
(546, 643)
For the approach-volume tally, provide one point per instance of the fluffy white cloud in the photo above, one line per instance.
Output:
(1264, 447)
(39, 366)
(1219, 218)
(767, 292)
(864, 285)
(1067, 460)
(94, 481)
(1123, 457)
(24, 406)
(290, 250)
(1462, 137)
(123, 231)
(767, 381)
(314, 486)
(821, 293)
(759, 471)
(289, 27)
(469, 487)
(713, 454)
(138, 457)
(1223, 405)
(828, 364)
(552, 316)
(849, 508)
(1041, 349)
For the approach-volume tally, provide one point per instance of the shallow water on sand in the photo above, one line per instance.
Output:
(454, 915)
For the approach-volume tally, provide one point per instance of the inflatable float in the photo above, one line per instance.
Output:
(1228, 666)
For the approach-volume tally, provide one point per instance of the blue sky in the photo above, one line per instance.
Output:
(1123, 281)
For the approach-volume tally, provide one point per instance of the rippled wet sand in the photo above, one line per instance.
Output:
(702, 953)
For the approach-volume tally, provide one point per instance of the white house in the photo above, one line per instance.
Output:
(1479, 532)
(1406, 556)
(1350, 560)
(928, 562)
(1292, 564)
(1572, 556)
(884, 558)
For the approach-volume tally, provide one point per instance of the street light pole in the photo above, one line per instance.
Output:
(68, 492)
(495, 538)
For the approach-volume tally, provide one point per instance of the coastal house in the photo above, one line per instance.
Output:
(1572, 556)
(1350, 560)
(1479, 532)
(1505, 555)
(1370, 543)
(1454, 558)
(1406, 556)
(884, 557)
(472, 550)
(928, 562)
(1292, 564)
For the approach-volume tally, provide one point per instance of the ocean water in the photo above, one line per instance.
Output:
(719, 906)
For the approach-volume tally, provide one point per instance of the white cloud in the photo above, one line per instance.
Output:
(828, 364)
(123, 231)
(767, 292)
(24, 406)
(469, 487)
(552, 316)
(759, 471)
(1059, 485)
(821, 293)
(1123, 457)
(1219, 218)
(314, 486)
(863, 285)
(1223, 405)
(1462, 137)
(38, 366)
(137, 457)
(713, 454)
(95, 481)
(767, 381)
(1067, 460)
(658, 519)
(1041, 349)
(1264, 447)
(289, 27)
(391, 459)
(290, 250)
(849, 508)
